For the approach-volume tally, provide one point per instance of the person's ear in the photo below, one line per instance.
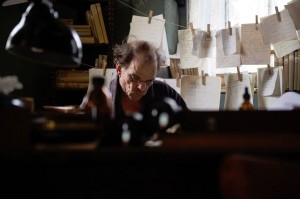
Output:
(119, 68)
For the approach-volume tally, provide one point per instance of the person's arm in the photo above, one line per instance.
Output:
(162, 89)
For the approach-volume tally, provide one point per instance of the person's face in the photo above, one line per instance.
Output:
(137, 78)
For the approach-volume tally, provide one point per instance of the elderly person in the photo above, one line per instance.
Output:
(137, 64)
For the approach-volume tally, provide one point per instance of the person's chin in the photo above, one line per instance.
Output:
(135, 97)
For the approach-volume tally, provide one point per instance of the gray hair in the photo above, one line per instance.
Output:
(126, 52)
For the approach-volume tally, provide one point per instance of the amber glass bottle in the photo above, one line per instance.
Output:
(246, 105)
(99, 105)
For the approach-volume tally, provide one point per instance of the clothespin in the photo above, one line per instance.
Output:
(203, 78)
(256, 22)
(239, 74)
(100, 61)
(278, 14)
(104, 71)
(192, 28)
(104, 64)
(270, 69)
(178, 79)
(96, 63)
(229, 28)
(208, 30)
(150, 16)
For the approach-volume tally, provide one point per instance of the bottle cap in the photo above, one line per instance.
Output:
(98, 81)
(246, 95)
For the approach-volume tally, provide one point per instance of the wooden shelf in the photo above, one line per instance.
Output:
(66, 93)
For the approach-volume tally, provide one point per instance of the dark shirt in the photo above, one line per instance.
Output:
(157, 91)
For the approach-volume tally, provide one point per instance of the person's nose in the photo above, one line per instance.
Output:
(142, 86)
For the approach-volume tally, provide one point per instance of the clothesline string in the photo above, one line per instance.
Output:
(152, 17)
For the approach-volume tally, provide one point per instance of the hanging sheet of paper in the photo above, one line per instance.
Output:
(187, 59)
(274, 31)
(285, 47)
(231, 43)
(140, 29)
(254, 51)
(203, 44)
(198, 96)
(222, 60)
(154, 32)
(270, 86)
(269, 82)
(235, 90)
(293, 9)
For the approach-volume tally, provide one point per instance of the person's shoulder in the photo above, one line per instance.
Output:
(159, 82)
(161, 86)
(163, 89)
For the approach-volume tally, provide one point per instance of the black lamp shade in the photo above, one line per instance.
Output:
(41, 37)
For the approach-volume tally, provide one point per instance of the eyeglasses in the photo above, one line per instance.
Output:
(137, 81)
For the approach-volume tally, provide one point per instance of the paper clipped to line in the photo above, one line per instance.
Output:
(187, 59)
(254, 51)
(154, 32)
(235, 90)
(198, 96)
(274, 31)
(222, 60)
(270, 85)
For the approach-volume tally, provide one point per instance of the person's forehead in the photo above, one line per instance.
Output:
(141, 66)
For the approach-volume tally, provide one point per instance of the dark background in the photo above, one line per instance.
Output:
(37, 79)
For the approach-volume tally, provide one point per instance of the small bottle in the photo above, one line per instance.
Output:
(98, 105)
(246, 105)
(126, 134)
(126, 131)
